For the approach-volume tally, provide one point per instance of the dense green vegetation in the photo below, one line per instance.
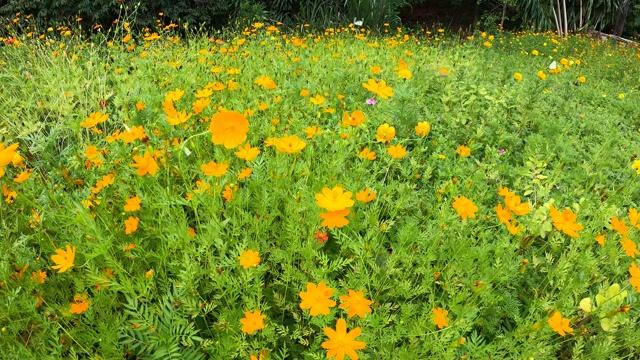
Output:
(241, 195)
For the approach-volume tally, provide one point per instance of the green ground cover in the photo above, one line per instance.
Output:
(248, 195)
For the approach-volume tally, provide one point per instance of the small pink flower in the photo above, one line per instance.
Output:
(371, 101)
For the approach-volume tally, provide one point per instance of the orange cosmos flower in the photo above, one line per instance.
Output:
(397, 151)
(131, 225)
(64, 259)
(228, 128)
(317, 299)
(290, 144)
(341, 342)
(355, 304)
(252, 322)
(80, 304)
(629, 247)
(385, 133)
(199, 105)
(379, 88)
(620, 226)
(504, 215)
(356, 118)
(560, 324)
(140, 106)
(266, 82)
(91, 152)
(6, 156)
(367, 154)
(565, 221)
(334, 199)
(132, 204)
(244, 173)
(600, 239)
(247, 152)
(335, 219)
(634, 216)
(214, 169)
(514, 204)
(145, 164)
(312, 131)
(465, 207)
(94, 119)
(444, 72)
(23, 176)
(423, 128)
(463, 151)
(227, 193)
(440, 317)
(365, 195)
(635, 276)
(38, 277)
(249, 258)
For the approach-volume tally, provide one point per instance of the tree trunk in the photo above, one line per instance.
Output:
(476, 13)
(622, 17)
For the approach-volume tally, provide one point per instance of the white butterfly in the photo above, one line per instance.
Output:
(358, 22)
(553, 65)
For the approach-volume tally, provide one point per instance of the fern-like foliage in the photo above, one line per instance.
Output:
(158, 331)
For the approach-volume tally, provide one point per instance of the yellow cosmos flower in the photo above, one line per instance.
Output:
(215, 169)
(178, 117)
(517, 77)
(94, 119)
(64, 259)
(312, 131)
(423, 128)
(318, 99)
(463, 151)
(385, 133)
(290, 144)
(397, 151)
(334, 199)
(379, 88)
(247, 152)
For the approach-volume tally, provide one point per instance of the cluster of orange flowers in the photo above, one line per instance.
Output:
(513, 205)
(337, 202)
(317, 299)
